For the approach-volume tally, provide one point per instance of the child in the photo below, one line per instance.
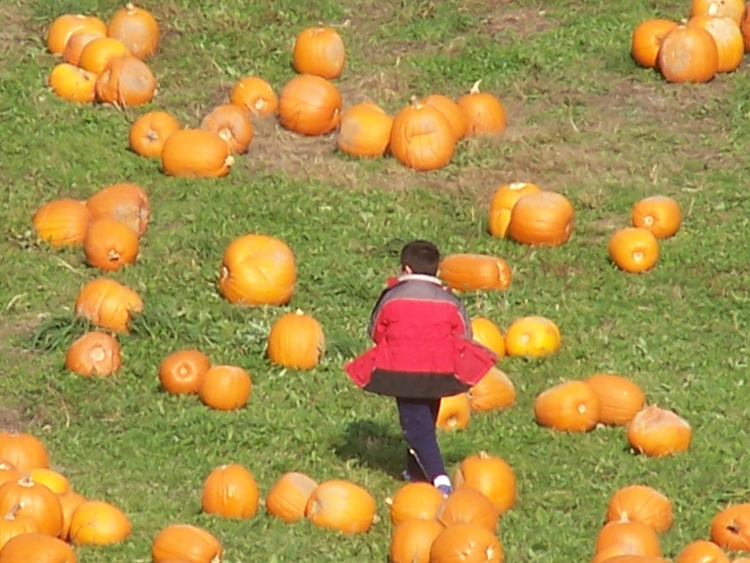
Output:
(423, 351)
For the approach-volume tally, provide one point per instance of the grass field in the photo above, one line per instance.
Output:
(583, 120)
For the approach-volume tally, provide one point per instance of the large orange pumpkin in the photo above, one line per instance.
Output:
(647, 38)
(639, 503)
(63, 27)
(541, 218)
(54, 481)
(230, 491)
(341, 505)
(196, 153)
(533, 336)
(411, 541)
(14, 524)
(633, 249)
(96, 522)
(484, 112)
(231, 123)
(494, 391)
(296, 341)
(473, 272)
(309, 105)
(186, 542)
(467, 505)
(109, 244)
(108, 304)
(659, 432)
(414, 501)
(225, 388)
(37, 548)
(183, 371)
(451, 111)
(467, 543)
(72, 84)
(24, 451)
(732, 9)
(502, 203)
(35, 500)
(688, 54)
(126, 81)
(571, 406)
(620, 398)
(730, 528)
(94, 353)
(365, 130)
(257, 270)
(659, 214)
(62, 222)
(136, 28)
(150, 131)
(454, 412)
(124, 202)
(255, 95)
(422, 137)
(702, 551)
(97, 54)
(728, 39)
(490, 475)
(487, 334)
(319, 51)
(636, 535)
(288, 497)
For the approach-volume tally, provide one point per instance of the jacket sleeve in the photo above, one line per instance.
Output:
(376, 327)
(462, 325)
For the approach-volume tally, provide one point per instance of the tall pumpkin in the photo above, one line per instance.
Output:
(473, 272)
(422, 137)
(411, 540)
(487, 334)
(319, 51)
(490, 475)
(231, 123)
(454, 412)
(64, 26)
(35, 500)
(225, 388)
(728, 38)
(137, 28)
(126, 81)
(468, 505)
(296, 341)
(688, 54)
(230, 491)
(484, 112)
(647, 38)
(255, 95)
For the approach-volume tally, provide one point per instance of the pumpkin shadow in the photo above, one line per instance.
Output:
(373, 445)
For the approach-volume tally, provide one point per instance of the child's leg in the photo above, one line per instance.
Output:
(417, 419)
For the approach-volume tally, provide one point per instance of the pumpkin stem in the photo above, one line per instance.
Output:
(11, 515)
(229, 161)
(299, 312)
(388, 501)
(475, 87)
(733, 528)
(26, 481)
(483, 455)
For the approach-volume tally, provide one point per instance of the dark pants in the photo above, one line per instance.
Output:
(418, 417)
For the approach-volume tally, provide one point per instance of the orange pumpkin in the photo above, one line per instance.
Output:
(541, 218)
(620, 398)
(641, 538)
(639, 503)
(309, 105)
(422, 137)
(13, 524)
(62, 222)
(411, 541)
(35, 500)
(257, 270)
(414, 501)
(97, 54)
(569, 406)
(296, 341)
(533, 336)
(97, 522)
(124, 202)
(473, 272)
(184, 371)
(745, 28)
(108, 304)
(341, 505)
(23, 451)
(688, 54)
(624, 553)
(136, 28)
(8, 472)
(150, 131)
(728, 39)
(468, 543)
(732, 9)
(502, 203)
(73, 84)
(69, 501)
(451, 111)
(255, 95)
(633, 249)
(196, 153)
(490, 475)
(186, 542)
(94, 354)
(288, 497)
(494, 391)
(225, 388)
(54, 481)
(76, 43)
(730, 528)
(487, 334)
(37, 548)
(231, 123)
(230, 491)
(702, 551)
(467, 505)
(659, 214)
(454, 412)
(110, 244)
(484, 112)
(126, 81)
(658, 432)
(365, 130)
(647, 38)
(63, 27)
(319, 51)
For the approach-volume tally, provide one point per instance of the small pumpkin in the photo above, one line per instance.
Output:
(541, 218)
(196, 153)
(225, 388)
(647, 38)
(62, 222)
(319, 51)
(365, 130)
(63, 27)
(94, 354)
(257, 270)
(13, 524)
(230, 491)
(72, 84)
(490, 475)
(296, 341)
(37, 547)
(76, 43)
(688, 54)
(451, 111)
(702, 551)
(341, 505)
(35, 500)
(411, 540)
(502, 203)
(422, 137)
(620, 398)
(640, 537)
(730, 527)
(23, 451)
(150, 131)
(633, 249)
(309, 105)
(108, 304)
(126, 81)
(732, 9)
(487, 334)
(570, 406)
(494, 391)
(96, 522)
(97, 54)
(484, 112)
(186, 542)
(659, 214)
(69, 501)
(473, 272)
(255, 95)
(231, 123)
(658, 432)
(532, 336)
(469, 543)
(639, 503)
(728, 39)
(417, 500)
(183, 371)
(454, 412)
(136, 28)
(110, 244)
(54, 481)
(123, 202)
(288, 497)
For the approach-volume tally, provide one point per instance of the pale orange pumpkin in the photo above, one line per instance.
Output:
(688, 54)
(124, 202)
(411, 541)
(638, 536)
(422, 138)
(730, 527)
(454, 412)
(647, 38)
(230, 491)
(69, 501)
(468, 543)
(97, 54)
(487, 334)
(319, 51)
(54, 481)
(494, 391)
(136, 28)
(186, 542)
(76, 43)
(296, 341)
(502, 203)
(37, 547)
(231, 123)
(533, 336)
(659, 214)
(23, 451)
(94, 354)
(732, 9)
(288, 497)
(108, 304)
(255, 95)
(541, 218)
(364, 131)
(196, 153)
(309, 105)
(73, 84)
(658, 432)
(341, 505)
(109, 244)
(728, 39)
(620, 398)
(473, 272)
(13, 524)
(417, 500)
(639, 503)
(62, 222)
(225, 388)
(633, 249)
(126, 81)
(571, 406)
(183, 371)
(35, 500)
(484, 112)
(451, 111)
(702, 551)
(63, 27)
(490, 475)
(468, 505)
(257, 270)
(96, 522)
(150, 131)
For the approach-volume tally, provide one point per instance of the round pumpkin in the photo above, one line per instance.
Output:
(97, 54)
(658, 432)
(108, 304)
(341, 505)
(633, 249)
(37, 547)
(225, 388)
(24, 451)
(454, 412)
(94, 354)
(571, 406)
(468, 543)
(136, 28)
(96, 522)
(257, 270)
(8, 472)
(411, 541)
(702, 551)
(296, 341)
(231, 123)
(150, 131)
(230, 491)
(541, 218)
(319, 51)
(364, 131)
(728, 38)
(35, 500)
(63, 27)
(123, 202)
(62, 222)
(417, 500)
(494, 391)
(620, 398)
(255, 95)
(484, 112)
(69, 501)
(730, 527)
(187, 542)
(309, 105)
(659, 214)
(473, 272)
(422, 137)
(13, 524)
(54, 481)
(640, 537)
(533, 336)
(109, 244)
(451, 111)
(487, 334)
(288, 497)
(502, 203)
(183, 371)
(490, 475)
(732, 9)
(196, 153)
(73, 84)
(688, 54)
(647, 38)
(639, 503)
(467, 505)
(126, 81)
(76, 43)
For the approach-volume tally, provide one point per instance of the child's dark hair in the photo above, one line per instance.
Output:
(422, 256)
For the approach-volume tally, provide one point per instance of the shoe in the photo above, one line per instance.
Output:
(445, 489)
(406, 476)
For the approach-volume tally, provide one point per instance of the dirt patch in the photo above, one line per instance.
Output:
(12, 420)
(499, 18)
(15, 29)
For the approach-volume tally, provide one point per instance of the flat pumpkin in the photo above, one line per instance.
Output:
(94, 354)
(728, 37)
(452, 112)
(490, 475)
(76, 43)
(110, 244)
(96, 522)
(24, 451)
(225, 388)
(473, 272)
(196, 153)
(108, 304)
(620, 397)
(37, 547)
(533, 336)
(230, 491)
(730, 527)
(124, 202)
(182, 372)
(341, 505)
(636, 535)
(411, 541)
(414, 501)
(702, 551)
(487, 334)
(97, 54)
(73, 84)
(468, 505)
(186, 542)
(62, 222)
(659, 432)
(150, 131)
(570, 406)
(288, 497)
(64, 26)
(659, 214)
(640, 503)
(136, 28)
(732, 9)
(468, 543)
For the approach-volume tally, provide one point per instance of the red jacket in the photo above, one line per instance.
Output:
(423, 343)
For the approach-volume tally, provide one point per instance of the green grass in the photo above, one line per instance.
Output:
(583, 120)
